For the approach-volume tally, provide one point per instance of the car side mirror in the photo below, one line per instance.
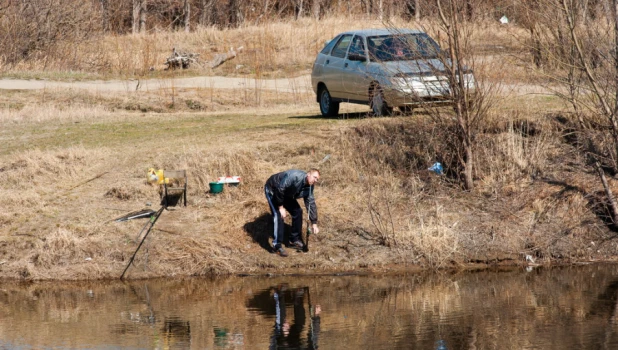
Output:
(357, 57)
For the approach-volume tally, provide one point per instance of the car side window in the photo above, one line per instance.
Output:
(329, 46)
(342, 46)
(357, 47)
(373, 43)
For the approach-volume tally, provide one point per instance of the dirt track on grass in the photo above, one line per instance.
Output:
(290, 85)
(300, 84)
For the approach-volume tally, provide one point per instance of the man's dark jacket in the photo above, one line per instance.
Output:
(292, 184)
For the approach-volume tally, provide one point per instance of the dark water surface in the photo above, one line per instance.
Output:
(557, 308)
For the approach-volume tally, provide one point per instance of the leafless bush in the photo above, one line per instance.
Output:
(581, 48)
(32, 30)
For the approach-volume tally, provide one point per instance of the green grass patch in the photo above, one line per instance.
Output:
(145, 129)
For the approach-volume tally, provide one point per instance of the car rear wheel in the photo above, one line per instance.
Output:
(328, 107)
(378, 105)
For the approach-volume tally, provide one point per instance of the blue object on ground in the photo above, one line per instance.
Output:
(436, 168)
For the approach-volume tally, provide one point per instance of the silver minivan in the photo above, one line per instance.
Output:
(382, 68)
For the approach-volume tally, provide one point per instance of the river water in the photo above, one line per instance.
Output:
(536, 308)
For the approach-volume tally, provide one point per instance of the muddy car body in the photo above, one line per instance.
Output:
(383, 68)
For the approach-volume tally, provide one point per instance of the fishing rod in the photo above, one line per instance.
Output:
(153, 219)
(309, 212)
(306, 247)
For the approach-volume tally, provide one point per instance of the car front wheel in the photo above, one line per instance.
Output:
(378, 105)
(328, 107)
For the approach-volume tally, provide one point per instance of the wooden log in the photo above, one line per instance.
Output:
(219, 59)
(180, 59)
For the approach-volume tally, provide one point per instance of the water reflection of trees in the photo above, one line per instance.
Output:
(545, 308)
(175, 331)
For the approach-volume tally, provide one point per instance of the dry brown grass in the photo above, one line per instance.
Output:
(278, 48)
(275, 48)
(510, 157)
(378, 205)
(72, 160)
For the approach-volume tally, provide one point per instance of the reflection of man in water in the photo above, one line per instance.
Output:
(290, 336)
(281, 326)
(314, 331)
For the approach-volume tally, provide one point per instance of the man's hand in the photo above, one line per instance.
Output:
(283, 212)
(318, 310)
(314, 229)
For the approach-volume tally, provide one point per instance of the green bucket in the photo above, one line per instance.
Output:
(216, 187)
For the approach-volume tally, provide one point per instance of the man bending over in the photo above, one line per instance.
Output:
(282, 191)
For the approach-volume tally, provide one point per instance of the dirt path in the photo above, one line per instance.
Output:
(299, 84)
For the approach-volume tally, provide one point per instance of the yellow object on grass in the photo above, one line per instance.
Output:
(156, 176)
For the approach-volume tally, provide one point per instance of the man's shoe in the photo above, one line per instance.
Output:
(281, 252)
(298, 245)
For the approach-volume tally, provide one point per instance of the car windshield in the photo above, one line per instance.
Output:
(402, 47)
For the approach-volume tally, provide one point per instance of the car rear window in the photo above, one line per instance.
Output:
(329, 46)
(342, 46)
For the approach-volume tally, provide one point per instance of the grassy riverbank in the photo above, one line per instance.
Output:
(74, 159)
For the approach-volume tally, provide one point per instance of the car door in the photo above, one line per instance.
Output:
(333, 65)
(354, 72)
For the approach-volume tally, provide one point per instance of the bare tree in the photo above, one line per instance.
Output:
(139, 16)
(234, 16)
(208, 12)
(105, 15)
(470, 6)
(411, 9)
(298, 8)
(142, 16)
(187, 15)
(34, 29)
(583, 70)
(137, 6)
(381, 10)
(316, 9)
(471, 100)
(452, 76)
(417, 12)
(528, 18)
(368, 6)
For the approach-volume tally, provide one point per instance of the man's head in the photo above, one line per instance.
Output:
(313, 176)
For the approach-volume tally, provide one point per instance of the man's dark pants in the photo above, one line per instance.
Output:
(295, 211)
